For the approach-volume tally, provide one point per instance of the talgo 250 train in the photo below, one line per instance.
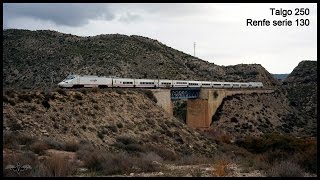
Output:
(79, 81)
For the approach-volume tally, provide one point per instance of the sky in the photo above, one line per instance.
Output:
(219, 31)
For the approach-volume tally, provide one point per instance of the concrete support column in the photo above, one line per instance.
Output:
(201, 110)
(163, 97)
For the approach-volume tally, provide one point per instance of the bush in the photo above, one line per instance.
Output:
(220, 168)
(115, 163)
(84, 91)
(45, 104)
(100, 135)
(78, 96)
(93, 159)
(163, 152)
(39, 147)
(62, 92)
(113, 128)
(11, 102)
(72, 146)
(120, 91)
(151, 156)
(269, 142)
(120, 125)
(150, 95)
(52, 144)
(285, 169)
(25, 97)
(193, 160)
(215, 94)
(95, 89)
(134, 148)
(25, 139)
(126, 140)
(96, 107)
(55, 166)
(11, 93)
(10, 140)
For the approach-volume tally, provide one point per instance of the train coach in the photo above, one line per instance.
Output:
(79, 81)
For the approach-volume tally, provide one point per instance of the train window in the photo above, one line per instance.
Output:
(219, 84)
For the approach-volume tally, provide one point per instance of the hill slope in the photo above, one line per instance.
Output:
(292, 108)
(34, 59)
(101, 118)
(301, 87)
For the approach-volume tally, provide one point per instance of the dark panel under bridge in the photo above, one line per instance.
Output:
(185, 93)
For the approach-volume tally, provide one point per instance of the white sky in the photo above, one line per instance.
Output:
(219, 30)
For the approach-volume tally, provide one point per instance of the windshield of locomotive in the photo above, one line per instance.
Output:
(69, 77)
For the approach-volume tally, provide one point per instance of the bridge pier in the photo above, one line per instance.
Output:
(163, 97)
(201, 110)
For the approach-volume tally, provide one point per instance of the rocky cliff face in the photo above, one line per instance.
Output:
(301, 88)
(37, 59)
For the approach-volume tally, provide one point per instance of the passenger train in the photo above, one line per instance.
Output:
(79, 81)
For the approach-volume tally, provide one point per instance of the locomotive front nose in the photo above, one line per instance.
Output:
(61, 84)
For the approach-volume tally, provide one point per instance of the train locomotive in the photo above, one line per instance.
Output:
(80, 81)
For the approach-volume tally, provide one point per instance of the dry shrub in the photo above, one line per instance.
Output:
(261, 162)
(114, 163)
(72, 146)
(78, 96)
(151, 156)
(62, 92)
(25, 139)
(194, 159)
(150, 95)
(25, 97)
(218, 135)
(55, 166)
(220, 168)
(95, 89)
(10, 140)
(39, 147)
(93, 160)
(163, 152)
(11, 93)
(54, 144)
(285, 169)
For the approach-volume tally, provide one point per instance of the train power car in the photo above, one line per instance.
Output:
(77, 81)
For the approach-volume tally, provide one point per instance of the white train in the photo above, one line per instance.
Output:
(79, 81)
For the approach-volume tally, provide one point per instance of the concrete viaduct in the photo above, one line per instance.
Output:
(200, 110)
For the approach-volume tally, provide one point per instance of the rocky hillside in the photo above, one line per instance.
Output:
(111, 119)
(253, 114)
(36, 59)
(301, 87)
(292, 108)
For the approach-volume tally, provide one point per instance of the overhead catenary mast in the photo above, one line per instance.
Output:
(194, 49)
